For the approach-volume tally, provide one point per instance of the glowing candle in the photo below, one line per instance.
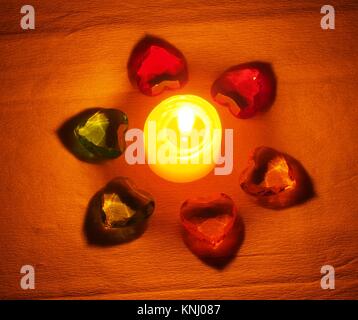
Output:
(182, 138)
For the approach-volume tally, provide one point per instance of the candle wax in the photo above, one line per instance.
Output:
(182, 137)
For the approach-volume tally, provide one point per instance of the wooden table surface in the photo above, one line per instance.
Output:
(76, 58)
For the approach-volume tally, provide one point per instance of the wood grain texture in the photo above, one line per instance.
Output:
(76, 58)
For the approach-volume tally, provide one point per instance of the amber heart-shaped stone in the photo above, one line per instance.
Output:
(210, 225)
(245, 89)
(119, 212)
(155, 65)
(275, 179)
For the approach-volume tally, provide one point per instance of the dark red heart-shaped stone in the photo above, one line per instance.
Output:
(245, 89)
(210, 224)
(276, 179)
(155, 65)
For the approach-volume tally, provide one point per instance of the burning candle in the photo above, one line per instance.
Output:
(182, 137)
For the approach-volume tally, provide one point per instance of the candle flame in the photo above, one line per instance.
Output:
(186, 118)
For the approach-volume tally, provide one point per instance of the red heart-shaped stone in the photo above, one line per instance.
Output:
(210, 224)
(245, 89)
(275, 179)
(155, 65)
